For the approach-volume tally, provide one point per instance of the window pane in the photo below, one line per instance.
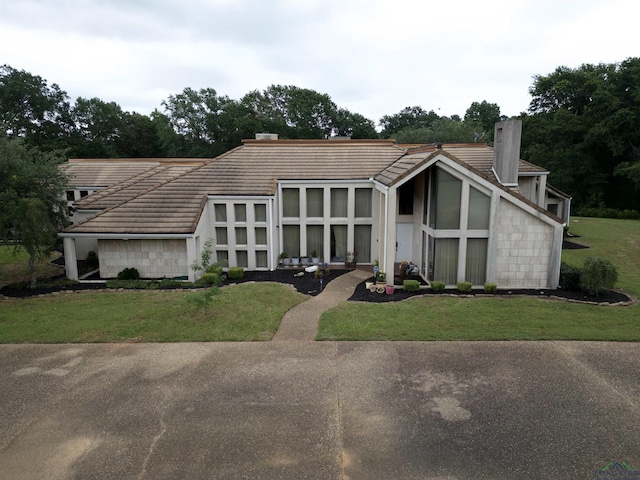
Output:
(338, 243)
(445, 260)
(339, 202)
(476, 269)
(221, 236)
(71, 195)
(315, 240)
(223, 257)
(261, 259)
(261, 236)
(242, 258)
(363, 202)
(241, 236)
(363, 243)
(291, 240)
(240, 212)
(315, 202)
(220, 212)
(405, 198)
(479, 207)
(261, 212)
(290, 202)
(448, 194)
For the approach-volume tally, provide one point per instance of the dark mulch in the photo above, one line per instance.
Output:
(309, 285)
(361, 294)
(567, 245)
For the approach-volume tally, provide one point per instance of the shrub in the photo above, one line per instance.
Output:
(490, 288)
(210, 279)
(236, 273)
(214, 268)
(437, 286)
(381, 277)
(132, 284)
(465, 287)
(173, 283)
(597, 275)
(569, 276)
(603, 212)
(129, 274)
(411, 285)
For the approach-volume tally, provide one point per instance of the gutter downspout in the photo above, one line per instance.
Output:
(386, 220)
(271, 244)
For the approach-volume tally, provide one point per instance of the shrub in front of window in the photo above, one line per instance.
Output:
(210, 279)
(214, 268)
(236, 273)
(411, 285)
(598, 275)
(490, 288)
(465, 287)
(438, 286)
(130, 273)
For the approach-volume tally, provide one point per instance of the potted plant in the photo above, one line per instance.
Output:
(314, 258)
(381, 278)
(295, 261)
(390, 289)
(304, 261)
(286, 261)
(369, 285)
(350, 260)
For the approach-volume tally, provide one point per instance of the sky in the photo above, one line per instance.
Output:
(371, 57)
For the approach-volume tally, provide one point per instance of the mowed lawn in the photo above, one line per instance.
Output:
(446, 318)
(246, 312)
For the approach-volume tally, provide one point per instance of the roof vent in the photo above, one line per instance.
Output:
(266, 136)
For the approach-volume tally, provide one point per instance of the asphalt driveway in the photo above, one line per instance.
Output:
(311, 410)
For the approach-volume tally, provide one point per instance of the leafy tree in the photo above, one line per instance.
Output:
(353, 125)
(443, 130)
(486, 115)
(33, 110)
(407, 118)
(98, 126)
(139, 137)
(32, 207)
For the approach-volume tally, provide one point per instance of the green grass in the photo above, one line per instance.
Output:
(444, 318)
(247, 312)
(14, 267)
(616, 240)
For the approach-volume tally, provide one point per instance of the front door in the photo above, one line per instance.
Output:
(404, 242)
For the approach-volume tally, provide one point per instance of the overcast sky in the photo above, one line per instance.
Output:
(372, 57)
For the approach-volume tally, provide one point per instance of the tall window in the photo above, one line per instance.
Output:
(260, 210)
(221, 236)
(338, 243)
(363, 202)
(242, 258)
(479, 207)
(241, 236)
(315, 240)
(315, 202)
(362, 242)
(405, 198)
(339, 204)
(476, 268)
(261, 259)
(445, 210)
(220, 210)
(261, 235)
(291, 240)
(445, 260)
(290, 202)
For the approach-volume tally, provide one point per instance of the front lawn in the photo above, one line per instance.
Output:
(249, 312)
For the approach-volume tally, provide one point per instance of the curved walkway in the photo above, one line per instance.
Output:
(301, 322)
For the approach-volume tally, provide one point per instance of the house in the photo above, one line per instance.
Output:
(459, 212)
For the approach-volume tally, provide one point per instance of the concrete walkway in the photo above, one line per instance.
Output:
(301, 322)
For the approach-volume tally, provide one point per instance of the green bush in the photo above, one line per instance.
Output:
(569, 276)
(215, 268)
(173, 283)
(598, 275)
(603, 212)
(210, 279)
(411, 285)
(235, 273)
(91, 259)
(465, 287)
(490, 288)
(129, 274)
(437, 286)
(132, 284)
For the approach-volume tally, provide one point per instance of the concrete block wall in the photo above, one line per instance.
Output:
(524, 245)
(152, 258)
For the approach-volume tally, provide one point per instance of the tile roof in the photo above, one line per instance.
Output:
(169, 201)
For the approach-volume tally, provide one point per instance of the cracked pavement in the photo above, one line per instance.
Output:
(318, 410)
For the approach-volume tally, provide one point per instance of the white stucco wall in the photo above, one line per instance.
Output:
(152, 258)
(523, 249)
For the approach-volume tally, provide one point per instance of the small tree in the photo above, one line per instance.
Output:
(598, 275)
(205, 258)
(32, 205)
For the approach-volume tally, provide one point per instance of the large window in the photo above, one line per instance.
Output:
(261, 259)
(242, 258)
(476, 268)
(315, 240)
(405, 198)
(315, 202)
(291, 240)
(445, 210)
(241, 236)
(260, 210)
(261, 235)
(290, 202)
(221, 236)
(338, 243)
(479, 208)
(363, 202)
(240, 211)
(220, 210)
(339, 203)
(362, 243)
(445, 260)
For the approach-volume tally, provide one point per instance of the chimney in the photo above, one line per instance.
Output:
(266, 136)
(506, 151)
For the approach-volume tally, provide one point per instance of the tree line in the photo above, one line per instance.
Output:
(583, 124)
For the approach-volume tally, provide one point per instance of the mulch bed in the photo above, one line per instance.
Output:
(309, 285)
